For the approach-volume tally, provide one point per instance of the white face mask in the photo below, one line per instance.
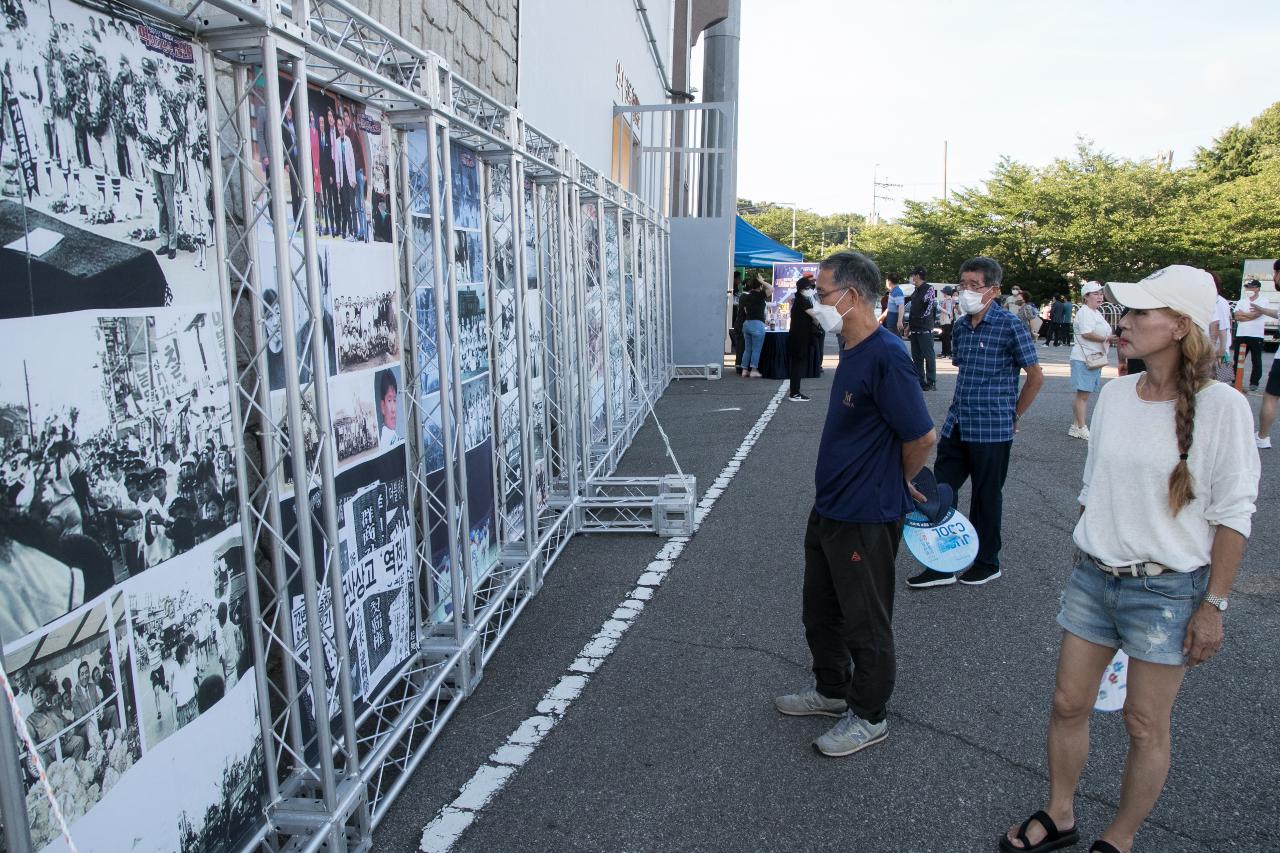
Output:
(827, 315)
(971, 302)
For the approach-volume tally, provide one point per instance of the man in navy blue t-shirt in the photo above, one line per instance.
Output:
(877, 437)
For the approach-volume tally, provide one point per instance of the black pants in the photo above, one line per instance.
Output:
(1254, 348)
(798, 360)
(946, 340)
(848, 610)
(922, 355)
(987, 464)
(1062, 333)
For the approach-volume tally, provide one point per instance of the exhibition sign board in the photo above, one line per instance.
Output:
(785, 276)
(123, 613)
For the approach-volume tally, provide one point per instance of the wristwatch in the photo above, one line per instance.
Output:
(1216, 601)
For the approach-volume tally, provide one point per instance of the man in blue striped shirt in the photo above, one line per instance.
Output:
(991, 347)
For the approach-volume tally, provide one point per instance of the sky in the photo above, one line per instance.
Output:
(831, 88)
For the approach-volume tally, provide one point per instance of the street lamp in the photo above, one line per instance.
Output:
(792, 205)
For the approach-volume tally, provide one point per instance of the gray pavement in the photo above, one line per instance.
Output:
(674, 744)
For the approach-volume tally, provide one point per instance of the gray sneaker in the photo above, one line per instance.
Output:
(851, 734)
(810, 703)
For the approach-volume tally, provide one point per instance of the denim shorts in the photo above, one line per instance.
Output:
(1145, 616)
(1084, 379)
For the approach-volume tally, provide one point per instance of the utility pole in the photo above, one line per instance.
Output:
(793, 225)
(945, 146)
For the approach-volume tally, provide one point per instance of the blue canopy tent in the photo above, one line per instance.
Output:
(751, 248)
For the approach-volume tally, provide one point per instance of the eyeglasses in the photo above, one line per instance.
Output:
(976, 288)
(822, 295)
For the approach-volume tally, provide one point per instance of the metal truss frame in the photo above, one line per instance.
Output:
(329, 785)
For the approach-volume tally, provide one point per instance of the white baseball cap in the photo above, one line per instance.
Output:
(1184, 289)
(1090, 287)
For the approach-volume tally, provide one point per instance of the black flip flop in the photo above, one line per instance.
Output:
(1101, 846)
(1053, 839)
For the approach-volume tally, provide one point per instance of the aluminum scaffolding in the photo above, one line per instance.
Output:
(578, 324)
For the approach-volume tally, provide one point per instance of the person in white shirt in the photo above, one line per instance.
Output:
(1250, 327)
(1220, 326)
(1092, 342)
(388, 402)
(1168, 499)
(1271, 397)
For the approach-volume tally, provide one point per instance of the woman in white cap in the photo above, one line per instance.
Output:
(1169, 490)
(1088, 356)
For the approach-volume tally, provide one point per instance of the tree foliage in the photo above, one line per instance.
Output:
(1090, 216)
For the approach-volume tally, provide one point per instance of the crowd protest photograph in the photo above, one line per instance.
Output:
(115, 455)
(110, 184)
(188, 644)
(465, 173)
(73, 686)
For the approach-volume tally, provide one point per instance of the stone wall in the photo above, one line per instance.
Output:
(478, 38)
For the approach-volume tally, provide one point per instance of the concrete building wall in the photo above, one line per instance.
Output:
(570, 55)
(478, 38)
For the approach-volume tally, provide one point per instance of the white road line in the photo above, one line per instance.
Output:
(452, 820)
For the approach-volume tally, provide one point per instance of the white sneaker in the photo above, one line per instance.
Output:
(1263, 443)
(1079, 432)
(755, 374)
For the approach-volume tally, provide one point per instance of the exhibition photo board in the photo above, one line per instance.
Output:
(123, 611)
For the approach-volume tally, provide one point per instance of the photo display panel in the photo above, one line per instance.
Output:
(358, 320)
(613, 303)
(501, 217)
(123, 614)
(537, 348)
(596, 391)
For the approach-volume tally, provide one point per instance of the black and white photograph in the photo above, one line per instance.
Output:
(531, 231)
(595, 368)
(427, 333)
(473, 332)
(272, 318)
(354, 414)
(189, 648)
(477, 411)
(424, 259)
(483, 543)
(533, 321)
(432, 435)
(116, 454)
(419, 201)
(390, 407)
(508, 367)
(73, 686)
(501, 226)
(465, 173)
(310, 431)
(468, 257)
(108, 203)
(350, 167)
(590, 242)
(368, 332)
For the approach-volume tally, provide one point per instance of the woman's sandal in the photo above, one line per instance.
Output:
(1053, 839)
(1101, 846)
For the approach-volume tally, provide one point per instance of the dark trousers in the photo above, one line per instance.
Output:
(946, 341)
(922, 354)
(987, 464)
(1254, 348)
(798, 361)
(1062, 333)
(848, 610)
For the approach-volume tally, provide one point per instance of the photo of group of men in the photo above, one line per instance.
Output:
(368, 332)
(350, 171)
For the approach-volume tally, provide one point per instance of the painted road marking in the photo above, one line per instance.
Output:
(452, 820)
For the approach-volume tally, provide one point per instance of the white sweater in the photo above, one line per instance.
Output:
(1133, 448)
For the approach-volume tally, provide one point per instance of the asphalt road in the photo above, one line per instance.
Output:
(674, 744)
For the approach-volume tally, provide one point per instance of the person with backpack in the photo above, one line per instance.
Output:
(920, 322)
